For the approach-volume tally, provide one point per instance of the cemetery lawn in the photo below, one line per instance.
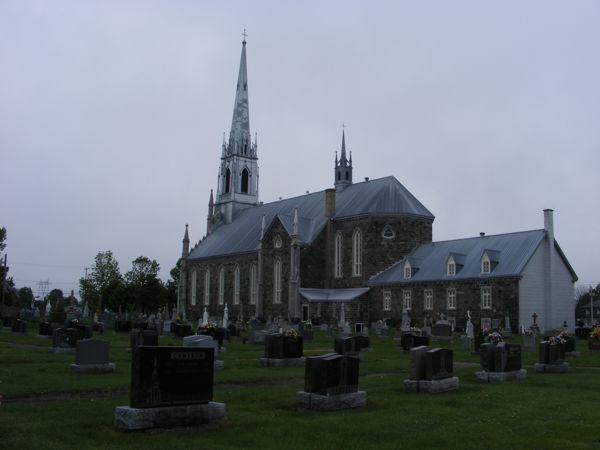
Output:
(46, 407)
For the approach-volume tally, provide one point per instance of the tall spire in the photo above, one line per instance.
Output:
(343, 167)
(238, 174)
(186, 243)
(240, 123)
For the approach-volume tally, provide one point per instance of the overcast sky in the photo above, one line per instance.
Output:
(112, 115)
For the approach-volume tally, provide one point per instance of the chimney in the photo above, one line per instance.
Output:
(482, 234)
(549, 224)
(329, 203)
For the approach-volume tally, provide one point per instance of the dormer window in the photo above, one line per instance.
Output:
(485, 264)
(451, 267)
(407, 270)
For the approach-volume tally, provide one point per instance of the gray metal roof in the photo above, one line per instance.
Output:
(513, 251)
(380, 197)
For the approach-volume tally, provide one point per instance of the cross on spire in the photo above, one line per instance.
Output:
(245, 35)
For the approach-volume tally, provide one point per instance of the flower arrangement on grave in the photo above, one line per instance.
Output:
(558, 339)
(494, 337)
(595, 334)
(210, 327)
(527, 332)
(291, 334)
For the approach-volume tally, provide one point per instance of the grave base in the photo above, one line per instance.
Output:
(219, 364)
(92, 368)
(61, 350)
(552, 368)
(280, 362)
(127, 418)
(441, 338)
(573, 354)
(44, 336)
(491, 377)
(431, 386)
(318, 402)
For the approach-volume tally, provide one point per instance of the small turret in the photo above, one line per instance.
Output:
(210, 218)
(343, 168)
(186, 243)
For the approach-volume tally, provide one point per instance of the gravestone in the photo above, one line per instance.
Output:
(361, 343)
(529, 342)
(140, 325)
(500, 362)
(487, 356)
(345, 346)
(551, 358)
(358, 328)
(477, 341)
(257, 337)
(417, 362)
(45, 329)
(205, 341)
(486, 324)
(324, 327)
(170, 386)
(467, 342)
(438, 364)
(122, 326)
(19, 326)
(331, 383)
(279, 346)
(331, 374)
(143, 337)
(91, 356)
(64, 340)
(410, 340)
(181, 329)
(442, 330)
(169, 376)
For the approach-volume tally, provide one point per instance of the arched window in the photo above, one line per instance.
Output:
(277, 281)
(221, 285)
(339, 176)
(236, 285)
(207, 287)
(194, 286)
(227, 181)
(339, 255)
(245, 176)
(347, 176)
(357, 253)
(253, 284)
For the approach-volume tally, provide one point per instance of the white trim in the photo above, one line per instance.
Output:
(387, 300)
(357, 253)
(451, 298)
(451, 267)
(253, 284)
(339, 255)
(207, 287)
(486, 264)
(194, 287)
(407, 270)
(221, 285)
(277, 281)
(486, 297)
(406, 300)
(428, 299)
(236, 285)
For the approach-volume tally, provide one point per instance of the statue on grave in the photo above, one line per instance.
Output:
(225, 316)
(205, 317)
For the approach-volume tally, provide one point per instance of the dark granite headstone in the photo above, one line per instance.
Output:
(19, 326)
(556, 353)
(8, 321)
(344, 345)
(331, 374)
(507, 357)
(477, 341)
(438, 364)
(442, 329)
(141, 325)
(169, 376)
(417, 362)
(83, 331)
(122, 326)
(409, 340)
(278, 346)
(570, 344)
(361, 342)
(544, 352)
(144, 337)
(45, 329)
(92, 351)
(64, 338)
(487, 356)
(233, 331)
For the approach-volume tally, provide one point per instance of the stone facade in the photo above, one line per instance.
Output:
(504, 294)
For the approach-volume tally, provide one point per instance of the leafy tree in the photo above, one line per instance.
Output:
(56, 299)
(172, 285)
(2, 239)
(146, 290)
(26, 298)
(103, 286)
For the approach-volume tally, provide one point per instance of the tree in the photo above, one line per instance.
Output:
(146, 289)
(104, 284)
(172, 285)
(25, 295)
(56, 299)
(2, 239)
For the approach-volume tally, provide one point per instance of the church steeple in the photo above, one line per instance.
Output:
(343, 168)
(186, 243)
(238, 175)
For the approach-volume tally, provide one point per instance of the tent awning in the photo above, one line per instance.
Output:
(332, 295)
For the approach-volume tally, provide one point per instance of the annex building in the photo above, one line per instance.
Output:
(364, 250)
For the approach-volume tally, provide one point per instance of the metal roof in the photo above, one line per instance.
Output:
(332, 295)
(513, 251)
(380, 197)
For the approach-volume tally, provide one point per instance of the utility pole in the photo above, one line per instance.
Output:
(3, 284)
(591, 306)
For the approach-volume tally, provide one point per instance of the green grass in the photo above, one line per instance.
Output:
(542, 411)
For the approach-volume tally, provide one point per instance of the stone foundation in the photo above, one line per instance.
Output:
(318, 402)
(431, 386)
(552, 368)
(280, 362)
(127, 418)
(92, 368)
(491, 377)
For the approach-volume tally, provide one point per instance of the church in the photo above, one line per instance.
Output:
(358, 251)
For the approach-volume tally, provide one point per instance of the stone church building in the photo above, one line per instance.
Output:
(344, 251)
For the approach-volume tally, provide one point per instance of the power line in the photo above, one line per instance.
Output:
(47, 265)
